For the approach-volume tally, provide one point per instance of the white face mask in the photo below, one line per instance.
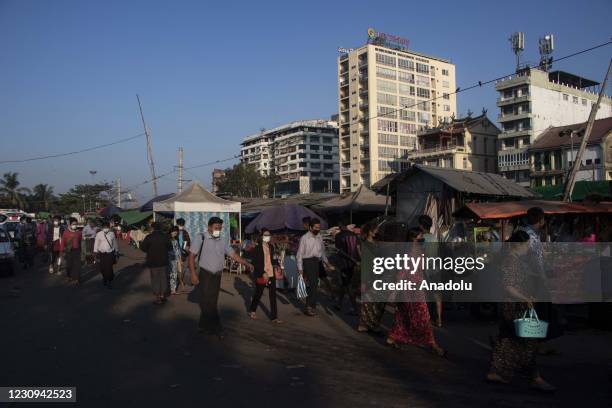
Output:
(266, 238)
(180, 227)
(105, 230)
(56, 223)
(216, 233)
(73, 227)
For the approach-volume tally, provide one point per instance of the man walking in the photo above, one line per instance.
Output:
(309, 255)
(26, 236)
(157, 245)
(347, 245)
(184, 241)
(105, 248)
(54, 237)
(89, 236)
(210, 250)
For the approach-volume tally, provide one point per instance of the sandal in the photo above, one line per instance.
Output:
(496, 379)
(277, 321)
(439, 351)
(252, 316)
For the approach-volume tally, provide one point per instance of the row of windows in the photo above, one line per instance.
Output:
(514, 159)
(384, 125)
(384, 165)
(575, 99)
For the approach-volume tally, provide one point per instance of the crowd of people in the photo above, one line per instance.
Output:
(175, 260)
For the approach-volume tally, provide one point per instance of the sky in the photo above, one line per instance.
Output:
(209, 74)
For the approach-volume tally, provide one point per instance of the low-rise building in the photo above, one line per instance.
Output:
(553, 153)
(469, 143)
(217, 176)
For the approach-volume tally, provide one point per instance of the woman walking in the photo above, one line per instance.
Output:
(370, 313)
(411, 324)
(263, 263)
(71, 247)
(175, 258)
(512, 355)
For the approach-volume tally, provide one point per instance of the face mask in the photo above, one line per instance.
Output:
(266, 238)
(180, 228)
(105, 230)
(73, 226)
(56, 223)
(216, 233)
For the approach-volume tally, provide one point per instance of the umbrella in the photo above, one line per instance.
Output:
(280, 217)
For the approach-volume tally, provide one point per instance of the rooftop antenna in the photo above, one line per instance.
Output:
(517, 40)
(546, 45)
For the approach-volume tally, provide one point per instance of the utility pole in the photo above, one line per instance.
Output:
(569, 185)
(119, 192)
(149, 148)
(180, 170)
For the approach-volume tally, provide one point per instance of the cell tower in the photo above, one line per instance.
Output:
(517, 40)
(546, 45)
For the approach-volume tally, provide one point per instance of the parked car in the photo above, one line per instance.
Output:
(7, 253)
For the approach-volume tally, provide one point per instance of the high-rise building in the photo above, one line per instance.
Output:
(302, 156)
(387, 94)
(532, 100)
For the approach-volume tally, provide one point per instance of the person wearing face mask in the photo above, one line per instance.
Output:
(174, 256)
(263, 273)
(184, 242)
(71, 247)
(310, 252)
(157, 245)
(210, 250)
(105, 248)
(54, 236)
(26, 236)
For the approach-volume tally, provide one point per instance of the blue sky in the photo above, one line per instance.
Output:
(210, 74)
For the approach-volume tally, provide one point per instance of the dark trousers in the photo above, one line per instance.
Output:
(311, 274)
(106, 266)
(210, 284)
(73, 264)
(159, 280)
(259, 292)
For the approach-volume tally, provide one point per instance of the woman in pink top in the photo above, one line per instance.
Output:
(71, 247)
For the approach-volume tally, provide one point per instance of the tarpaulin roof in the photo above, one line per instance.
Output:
(256, 205)
(362, 199)
(109, 211)
(148, 206)
(131, 217)
(472, 182)
(509, 209)
(283, 216)
(581, 190)
(196, 199)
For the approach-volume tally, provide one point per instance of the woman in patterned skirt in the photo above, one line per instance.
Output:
(370, 313)
(412, 320)
(512, 355)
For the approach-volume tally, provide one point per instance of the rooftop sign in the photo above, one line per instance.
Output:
(393, 41)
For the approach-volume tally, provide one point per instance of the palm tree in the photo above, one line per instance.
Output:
(43, 193)
(9, 187)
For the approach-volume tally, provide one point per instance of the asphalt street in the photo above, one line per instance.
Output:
(119, 349)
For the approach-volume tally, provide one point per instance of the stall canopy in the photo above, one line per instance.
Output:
(509, 209)
(362, 199)
(148, 206)
(109, 211)
(282, 217)
(134, 217)
(196, 206)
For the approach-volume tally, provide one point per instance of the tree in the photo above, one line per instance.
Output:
(245, 181)
(42, 197)
(80, 196)
(9, 188)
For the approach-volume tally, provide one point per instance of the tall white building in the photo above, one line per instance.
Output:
(376, 81)
(303, 155)
(533, 100)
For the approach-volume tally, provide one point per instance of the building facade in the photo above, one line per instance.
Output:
(553, 153)
(386, 95)
(469, 143)
(531, 101)
(217, 176)
(301, 155)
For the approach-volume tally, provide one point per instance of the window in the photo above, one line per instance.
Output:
(314, 156)
(405, 64)
(405, 77)
(422, 80)
(422, 68)
(302, 155)
(386, 86)
(314, 139)
(423, 93)
(406, 102)
(565, 97)
(386, 99)
(446, 108)
(597, 161)
(387, 125)
(327, 157)
(314, 147)
(385, 73)
(383, 165)
(445, 72)
(385, 138)
(407, 128)
(315, 165)
(387, 112)
(584, 102)
(446, 96)
(424, 117)
(388, 152)
(445, 84)
(423, 105)
(328, 166)
(385, 59)
(406, 89)
(407, 115)
(327, 148)
(465, 162)
(327, 139)
(409, 141)
(575, 99)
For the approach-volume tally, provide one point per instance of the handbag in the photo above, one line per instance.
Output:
(301, 291)
(261, 280)
(530, 327)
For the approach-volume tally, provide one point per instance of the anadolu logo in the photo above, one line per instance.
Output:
(371, 33)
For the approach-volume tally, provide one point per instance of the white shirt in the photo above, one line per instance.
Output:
(311, 246)
(105, 242)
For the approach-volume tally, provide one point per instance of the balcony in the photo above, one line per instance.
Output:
(436, 151)
(507, 117)
(514, 133)
(514, 99)
(521, 78)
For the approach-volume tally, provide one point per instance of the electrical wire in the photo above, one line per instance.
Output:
(89, 149)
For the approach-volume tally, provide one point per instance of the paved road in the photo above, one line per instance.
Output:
(118, 348)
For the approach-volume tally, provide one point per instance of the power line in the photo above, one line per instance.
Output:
(52, 156)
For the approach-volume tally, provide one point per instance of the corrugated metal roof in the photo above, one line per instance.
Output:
(558, 136)
(472, 182)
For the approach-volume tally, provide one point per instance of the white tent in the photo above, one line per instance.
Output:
(196, 205)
